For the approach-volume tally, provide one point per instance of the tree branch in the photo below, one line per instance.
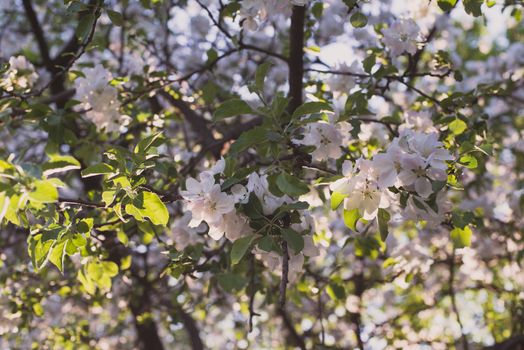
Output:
(296, 57)
(39, 35)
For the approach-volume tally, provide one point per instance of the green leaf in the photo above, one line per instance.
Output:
(336, 291)
(4, 205)
(336, 200)
(457, 126)
(461, 219)
(58, 164)
(383, 217)
(248, 139)
(38, 309)
(446, 5)
(116, 18)
(240, 247)
(260, 76)
(230, 281)
(469, 161)
(268, 244)
(291, 185)
(369, 62)
(97, 169)
(86, 282)
(85, 26)
(110, 268)
(293, 239)
(57, 255)
(232, 108)
(317, 10)
(44, 192)
(151, 141)
(472, 7)
(148, 205)
(311, 108)
(351, 217)
(358, 20)
(253, 208)
(95, 270)
(461, 237)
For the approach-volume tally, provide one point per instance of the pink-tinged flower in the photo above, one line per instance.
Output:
(362, 191)
(402, 37)
(327, 138)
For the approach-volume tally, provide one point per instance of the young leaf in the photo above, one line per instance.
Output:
(383, 217)
(232, 108)
(469, 161)
(358, 20)
(248, 139)
(240, 247)
(351, 217)
(260, 76)
(312, 107)
(336, 200)
(144, 145)
(97, 169)
(116, 18)
(461, 237)
(446, 5)
(44, 192)
(57, 255)
(457, 126)
(85, 26)
(473, 7)
(148, 205)
(59, 164)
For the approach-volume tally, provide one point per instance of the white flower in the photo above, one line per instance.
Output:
(219, 167)
(299, 2)
(184, 235)
(429, 147)
(362, 191)
(100, 99)
(19, 76)
(343, 83)
(388, 165)
(258, 185)
(240, 193)
(414, 172)
(327, 138)
(208, 203)
(253, 11)
(503, 211)
(402, 37)
(233, 225)
(200, 24)
(419, 121)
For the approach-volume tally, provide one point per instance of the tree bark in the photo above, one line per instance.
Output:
(296, 57)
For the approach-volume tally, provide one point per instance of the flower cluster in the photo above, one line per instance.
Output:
(402, 36)
(342, 83)
(99, 99)
(253, 12)
(208, 203)
(413, 161)
(20, 76)
(327, 138)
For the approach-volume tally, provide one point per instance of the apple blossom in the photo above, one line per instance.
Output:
(20, 76)
(402, 36)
